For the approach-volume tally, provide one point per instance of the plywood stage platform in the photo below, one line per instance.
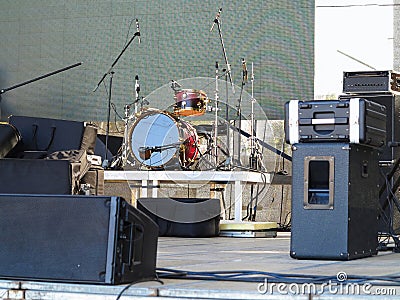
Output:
(268, 255)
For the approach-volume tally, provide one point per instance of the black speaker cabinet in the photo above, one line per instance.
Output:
(392, 103)
(82, 239)
(335, 195)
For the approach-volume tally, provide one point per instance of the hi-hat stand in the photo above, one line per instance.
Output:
(239, 110)
(122, 157)
(110, 72)
(255, 160)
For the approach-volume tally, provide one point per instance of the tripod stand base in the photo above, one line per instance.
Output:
(248, 229)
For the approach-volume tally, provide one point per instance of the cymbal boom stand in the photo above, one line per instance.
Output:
(253, 154)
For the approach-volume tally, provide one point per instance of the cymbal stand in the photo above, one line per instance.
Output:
(228, 139)
(253, 154)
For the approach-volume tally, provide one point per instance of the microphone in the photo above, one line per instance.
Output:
(137, 87)
(145, 152)
(244, 70)
(138, 30)
(252, 72)
(216, 18)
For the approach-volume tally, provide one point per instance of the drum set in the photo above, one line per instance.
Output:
(157, 139)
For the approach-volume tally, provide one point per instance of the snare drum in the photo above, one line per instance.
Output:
(190, 103)
(158, 140)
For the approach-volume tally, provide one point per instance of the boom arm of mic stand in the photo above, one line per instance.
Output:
(116, 60)
(2, 91)
(228, 67)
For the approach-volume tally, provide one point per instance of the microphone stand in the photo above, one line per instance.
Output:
(228, 66)
(111, 73)
(239, 113)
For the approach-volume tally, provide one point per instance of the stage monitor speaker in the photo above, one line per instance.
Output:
(335, 198)
(80, 239)
(389, 154)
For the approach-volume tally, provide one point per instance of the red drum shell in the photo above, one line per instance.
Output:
(190, 103)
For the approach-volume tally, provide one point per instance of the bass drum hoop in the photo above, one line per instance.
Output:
(174, 161)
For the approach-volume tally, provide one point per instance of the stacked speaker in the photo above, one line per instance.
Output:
(382, 87)
(337, 146)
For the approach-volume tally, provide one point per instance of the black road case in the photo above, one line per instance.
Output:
(354, 120)
(371, 82)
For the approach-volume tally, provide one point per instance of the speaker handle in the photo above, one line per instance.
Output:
(135, 237)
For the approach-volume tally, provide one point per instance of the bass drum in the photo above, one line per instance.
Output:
(160, 141)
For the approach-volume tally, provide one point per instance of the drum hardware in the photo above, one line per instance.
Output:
(122, 158)
(111, 72)
(239, 110)
(254, 153)
(206, 160)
